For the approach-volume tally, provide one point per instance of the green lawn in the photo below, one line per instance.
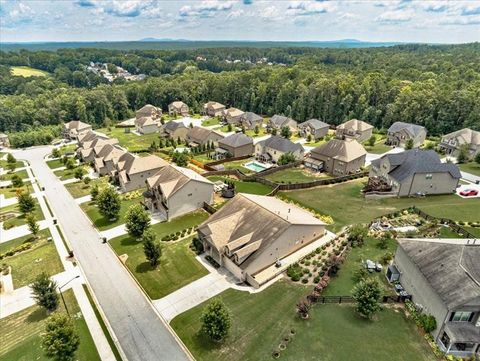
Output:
(346, 204)
(471, 167)
(20, 219)
(251, 132)
(295, 175)
(65, 174)
(11, 191)
(55, 163)
(27, 265)
(104, 223)
(379, 147)
(178, 266)
(26, 71)
(80, 189)
(261, 320)
(210, 121)
(18, 164)
(5, 246)
(21, 340)
(130, 141)
(343, 283)
(238, 164)
(21, 173)
(315, 143)
(245, 187)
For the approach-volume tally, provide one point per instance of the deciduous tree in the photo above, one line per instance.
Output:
(216, 320)
(151, 247)
(137, 220)
(367, 295)
(108, 202)
(60, 340)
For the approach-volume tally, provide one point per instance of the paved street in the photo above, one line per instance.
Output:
(142, 334)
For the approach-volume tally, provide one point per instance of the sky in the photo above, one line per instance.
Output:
(123, 20)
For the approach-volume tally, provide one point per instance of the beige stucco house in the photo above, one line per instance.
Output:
(107, 159)
(213, 109)
(468, 138)
(178, 108)
(251, 233)
(400, 133)
(89, 150)
(443, 277)
(416, 172)
(313, 127)
(175, 130)
(338, 157)
(356, 129)
(271, 149)
(201, 136)
(149, 111)
(75, 129)
(89, 137)
(235, 145)
(132, 172)
(174, 191)
(147, 125)
(233, 116)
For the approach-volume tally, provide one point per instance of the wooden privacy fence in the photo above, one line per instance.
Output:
(350, 299)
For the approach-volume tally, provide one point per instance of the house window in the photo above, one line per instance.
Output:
(428, 176)
(461, 316)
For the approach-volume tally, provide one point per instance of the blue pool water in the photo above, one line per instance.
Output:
(256, 167)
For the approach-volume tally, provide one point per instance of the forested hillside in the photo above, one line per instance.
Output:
(436, 86)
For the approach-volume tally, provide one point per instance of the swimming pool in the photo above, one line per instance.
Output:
(255, 166)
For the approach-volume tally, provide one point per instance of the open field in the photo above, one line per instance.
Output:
(130, 141)
(80, 189)
(261, 320)
(103, 223)
(178, 266)
(472, 167)
(346, 204)
(21, 340)
(245, 187)
(26, 71)
(20, 219)
(295, 175)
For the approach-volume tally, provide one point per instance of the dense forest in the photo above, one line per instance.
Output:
(436, 86)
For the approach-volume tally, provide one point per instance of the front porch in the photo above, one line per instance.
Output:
(461, 339)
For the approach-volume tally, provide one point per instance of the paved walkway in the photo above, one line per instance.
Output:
(83, 199)
(121, 230)
(19, 231)
(142, 334)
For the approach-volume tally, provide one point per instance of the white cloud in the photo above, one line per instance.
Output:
(270, 13)
(304, 8)
(394, 17)
(123, 8)
(205, 8)
(235, 14)
(461, 20)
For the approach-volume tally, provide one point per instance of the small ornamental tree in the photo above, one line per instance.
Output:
(86, 180)
(256, 130)
(94, 190)
(60, 339)
(151, 247)
(357, 235)
(11, 159)
(70, 163)
(274, 131)
(216, 320)
(44, 292)
(137, 220)
(56, 153)
(367, 295)
(33, 226)
(229, 127)
(17, 181)
(180, 159)
(286, 158)
(463, 154)
(79, 173)
(372, 140)
(409, 144)
(108, 202)
(286, 132)
(26, 203)
(477, 158)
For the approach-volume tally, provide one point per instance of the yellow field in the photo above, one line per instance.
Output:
(26, 71)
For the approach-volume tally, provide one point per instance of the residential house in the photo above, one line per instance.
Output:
(468, 138)
(89, 137)
(201, 136)
(278, 122)
(416, 172)
(89, 150)
(233, 116)
(252, 234)
(235, 145)
(178, 108)
(251, 120)
(75, 128)
(147, 125)
(400, 133)
(134, 171)
(4, 141)
(271, 149)
(338, 157)
(175, 130)
(174, 191)
(356, 129)
(107, 158)
(213, 109)
(443, 277)
(313, 127)
(149, 111)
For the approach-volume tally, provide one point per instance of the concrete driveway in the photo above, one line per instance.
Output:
(142, 334)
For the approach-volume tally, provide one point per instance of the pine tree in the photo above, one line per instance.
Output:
(44, 292)
(151, 248)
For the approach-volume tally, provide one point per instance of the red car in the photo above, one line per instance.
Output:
(469, 192)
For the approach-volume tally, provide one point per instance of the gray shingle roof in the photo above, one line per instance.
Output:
(452, 270)
(343, 150)
(281, 144)
(407, 163)
(280, 120)
(236, 140)
(315, 124)
(172, 126)
(251, 117)
(412, 129)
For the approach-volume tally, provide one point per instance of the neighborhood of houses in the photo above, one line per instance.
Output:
(256, 238)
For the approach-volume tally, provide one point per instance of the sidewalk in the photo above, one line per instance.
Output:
(121, 230)
(19, 231)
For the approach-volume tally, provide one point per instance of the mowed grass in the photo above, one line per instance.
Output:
(18, 164)
(295, 175)
(11, 191)
(245, 187)
(178, 266)
(26, 71)
(379, 147)
(65, 174)
(103, 223)
(5, 246)
(21, 333)
(345, 203)
(21, 173)
(20, 218)
(333, 332)
(472, 167)
(80, 189)
(210, 121)
(130, 141)
(27, 265)
(238, 164)
(55, 163)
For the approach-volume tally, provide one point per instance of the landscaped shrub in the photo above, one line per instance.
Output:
(305, 280)
(212, 262)
(316, 279)
(295, 272)
(197, 245)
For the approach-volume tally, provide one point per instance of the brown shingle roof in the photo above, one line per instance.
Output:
(343, 150)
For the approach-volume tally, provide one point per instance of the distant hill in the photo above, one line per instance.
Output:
(172, 44)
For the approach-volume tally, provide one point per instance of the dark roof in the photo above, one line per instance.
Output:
(405, 164)
(451, 269)
(281, 144)
(172, 126)
(412, 129)
(315, 124)
(201, 134)
(251, 117)
(280, 120)
(236, 140)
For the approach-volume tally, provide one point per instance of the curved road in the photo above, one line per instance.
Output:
(142, 334)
